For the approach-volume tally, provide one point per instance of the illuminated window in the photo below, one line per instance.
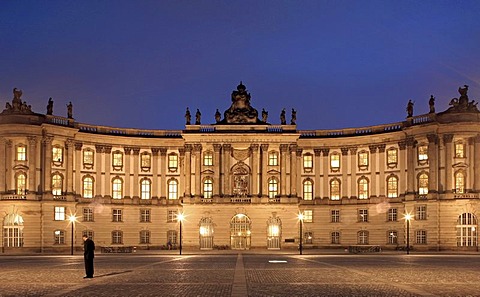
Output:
(392, 237)
(145, 215)
(362, 160)
(421, 212)
(335, 189)
(459, 150)
(146, 186)
(421, 237)
(87, 187)
(59, 237)
(423, 184)
(172, 189)
(57, 185)
(392, 186)
(57, 155)
(172, 236)
(362, 237)
(117, 160)
(363, 188)
(144, 237)
(392, 157)
(117, 237)
(308, 237)
(459, 182)
(13, 230)
(335, 216)
(208, 188)
(363, 215)
(88, 157)
(145, 161)
(308, 162)
(172, 162)
(467, 230)
(422, 154)
(117, 188)
(392, 215)
(273, 159)
(308, 189)
(308, 216)
(335, 237)
(21, 152)
(21, 183)
(172, 216)
(88, 214)
(59, 213)
(335, 162)
(272, 187)
(117, 215)
(208, 159)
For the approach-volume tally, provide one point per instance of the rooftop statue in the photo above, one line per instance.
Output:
(409, 109)
(188, 117)
(198, 116)
(283, 120)
(294, 117)
(17, 106)
(70, 110)
(462, 104)
(241, 112)
(50, 107)
(431, 103)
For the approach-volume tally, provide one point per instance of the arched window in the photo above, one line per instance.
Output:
(172, 189)
(272, 187)
(208, 188)
(21, 183)
(423, 184)
(362, 237)
(307, 189)
(392, 186)
(117, 188)
(206, 233)
(13, 230)
(146, 186)
(460, 182)
(57, 184)
(335, 189)
(87, 187)
(467, 230)
(363, 188)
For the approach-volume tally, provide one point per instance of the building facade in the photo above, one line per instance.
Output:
(240, 183)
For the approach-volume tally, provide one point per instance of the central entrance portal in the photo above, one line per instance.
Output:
(240, 232)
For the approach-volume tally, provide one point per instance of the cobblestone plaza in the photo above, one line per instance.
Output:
(243, 274)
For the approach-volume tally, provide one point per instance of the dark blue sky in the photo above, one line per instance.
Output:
(139, 64)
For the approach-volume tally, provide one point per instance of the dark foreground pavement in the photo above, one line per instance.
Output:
(243, 274)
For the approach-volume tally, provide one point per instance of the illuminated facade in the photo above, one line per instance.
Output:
(240, 182)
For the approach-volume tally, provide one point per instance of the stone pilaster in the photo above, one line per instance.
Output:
(181, 186)
(353, 163)
(99, 169)
(227, 150)
(283, 169)
(217, 148)
(326, 169)
(127, 160)
(432, 163)
(254, 164)
(293, 170)
(476, 162)
(78, 169)
(447, 141)
(70, 146)
(263, 179)
(136, 169)
(163, 172)
(47, 157)
(344, 170)
(402, 161)
(373, 170)
(198, 169)
(3, 167)
(410, 141)
(188, 170)
(317, 161)
(155, 178)
(382, 162)
(32, 157)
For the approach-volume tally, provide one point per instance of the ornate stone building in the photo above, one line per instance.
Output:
(240, 182)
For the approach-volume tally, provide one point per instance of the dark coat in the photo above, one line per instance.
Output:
(89, 249)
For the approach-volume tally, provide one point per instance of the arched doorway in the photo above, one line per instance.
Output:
(206, 234)
(274, 231)
(240, 232)
(13, 230)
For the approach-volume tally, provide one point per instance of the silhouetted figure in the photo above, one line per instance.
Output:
(188, 117)
(218, 116)
(264, 115)
(431, 103)
(283, 120)
(50, 107)
(198, 116)
(70, 110)
(88, 255)
(409, 109)
(294, 117)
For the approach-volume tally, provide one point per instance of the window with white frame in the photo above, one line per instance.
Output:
(272, 187)
(423, 184)
(145, 161)
(392, 186)
(363, 188)
(459, 150)
(88, 158)
(307, 189)
(117, 215)
(392, 157)
(57, 155)
(172, 236)
(89, 233)
(362, 237)
(335, 189)
(273, 159)
(57, 185)
(59, 237)
(172, 189)
(117, 237)
(467, 230)
(208, 188)
(87, 187)
(363, 160)
(21, 152)
(420, 212)
(392, 215)
(308, 216)
(308, 162)
(88, 214)
(208, 159)
(172, 216)
(144, 237)
(117, 160)
(422, 151)
(21, 183)
(335, 237)
(145, 215)
(421, 237)
(335, 161)
(308, 237)
(363, 215)
(146, 188)
(172, 162)
(59, 213)
(392, 237)
(460, 182)
(335, 216)
(117, 188)
(13, 230)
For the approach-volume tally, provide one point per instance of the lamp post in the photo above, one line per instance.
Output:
(300, 219)
(180, 218)
(408, 217)
(72, 220)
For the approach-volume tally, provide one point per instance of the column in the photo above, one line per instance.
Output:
(198, 169)
(47, 164)
(316, 168)
(410, 141)
(326, 170)
(382, 164)
(432, 163)
(32, 156)
(3, 167)
(263, 182)
(107, 182)
(69, 145)
(128, 151)
(181, 185)
(353, 164)
(227, 148)
(163, 173)
(188, 170)
(217, 148)
(78, 169)
(476, 161)
(447, 141)
(155, 179)
(402, 160)
(344, 168)
(99, 170)
(254, 164)
(136, 168)
(298, 180)
(283, 168)
(469, 181)
(293, 170)
(373, 170)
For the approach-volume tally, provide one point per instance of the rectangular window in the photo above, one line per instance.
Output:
(363, 160)
(172, 216)
(117, 237)
(308, 237)
(144, 237)
(363, 215)
(117, 160)
(21, 153)
(335, 236)
(145, 161)
(273, 159)
(335, 162)
(88, 233)
(421, 212)
(459, 150)
(88, 214)
(145, 215)
(422, 154)
(117, 215)
(392, 215)
(172, 162)
(421, 236)
(308, 162)
(308, 216)
(88, 158)
(172, 236)
(208, 159)
(335, 216)
(57, 155)
(392, 237)
(59, 213)
(392, 158)
(59, 237)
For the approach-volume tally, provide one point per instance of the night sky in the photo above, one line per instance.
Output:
(139, 64)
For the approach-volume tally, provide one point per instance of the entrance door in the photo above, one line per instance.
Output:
(206, 234)
(240, 232)
(274, 225)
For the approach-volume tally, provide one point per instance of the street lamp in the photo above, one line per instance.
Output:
(408, 217)
(300, 219)
(72, 220)
(180, 218)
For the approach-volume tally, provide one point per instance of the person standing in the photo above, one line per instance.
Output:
(88, 255)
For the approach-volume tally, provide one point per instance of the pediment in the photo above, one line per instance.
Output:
(273, 171)
(20, 167)
(208, 171)
(460, 165)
